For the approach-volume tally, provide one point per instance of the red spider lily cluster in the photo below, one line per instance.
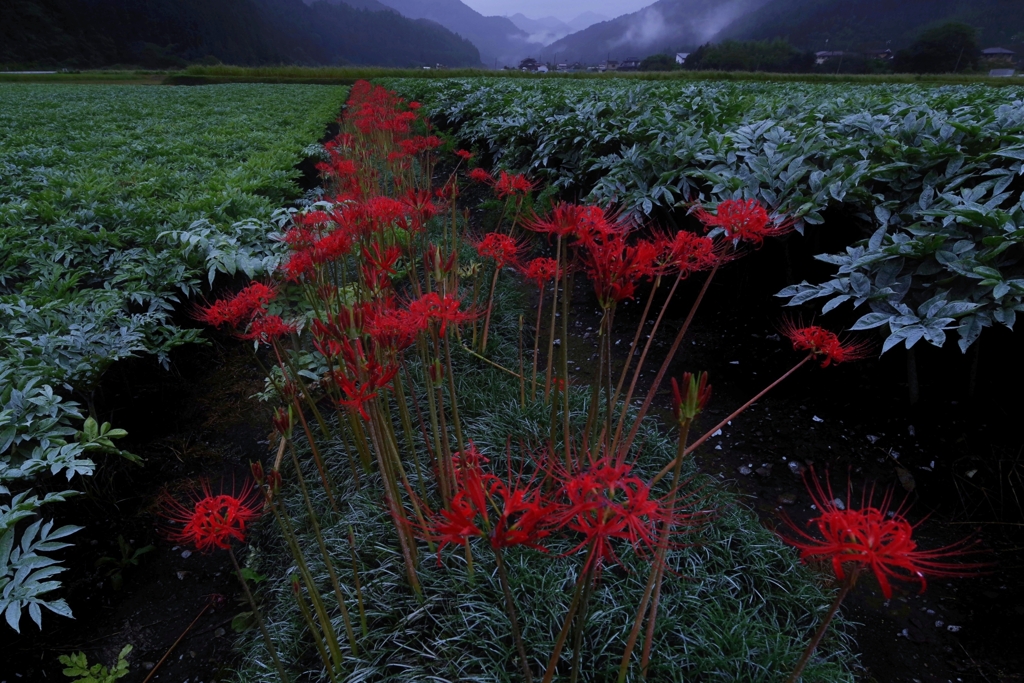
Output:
(392, 286)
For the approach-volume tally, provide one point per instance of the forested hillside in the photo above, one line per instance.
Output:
(168, 33)
(665, 26)
(870, 24)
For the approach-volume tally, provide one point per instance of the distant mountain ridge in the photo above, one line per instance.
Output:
(167, 33)
(873, 24)
(498, 39)
(664, 26)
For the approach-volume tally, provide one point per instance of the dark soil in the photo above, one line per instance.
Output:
(955, 457)
(190, 423)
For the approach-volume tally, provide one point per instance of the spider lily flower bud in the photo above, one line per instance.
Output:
(698, 392)
(436, 372)
(283, 421)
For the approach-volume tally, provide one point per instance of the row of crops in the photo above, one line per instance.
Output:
(117, 204)
(933, 175)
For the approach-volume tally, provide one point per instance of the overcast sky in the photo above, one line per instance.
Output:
(563, 9)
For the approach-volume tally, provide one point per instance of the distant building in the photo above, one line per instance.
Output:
(825, 55)
(681, 57)
(998, 57)
(1002, 73)
(530, 64)
(629, 65)
(542, 69)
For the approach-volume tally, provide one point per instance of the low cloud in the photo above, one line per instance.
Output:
(647, 27)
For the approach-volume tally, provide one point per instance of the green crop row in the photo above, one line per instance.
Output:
(932, 174)
(116, 204)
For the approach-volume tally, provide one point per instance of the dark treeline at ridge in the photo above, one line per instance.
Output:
(858, 25)
(172, 33)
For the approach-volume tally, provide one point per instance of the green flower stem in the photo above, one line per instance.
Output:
(510, 609)
(707, 435)
(323, 551)
(259, 619)
(625, 446)
(851, 580)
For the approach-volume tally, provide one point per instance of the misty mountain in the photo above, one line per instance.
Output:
(544, 30)
(872, 24)
(497, 38)
(665, 26)
(547, 30)
(171, 33)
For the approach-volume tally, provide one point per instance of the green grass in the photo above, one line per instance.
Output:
(104, 77)
(737, 605)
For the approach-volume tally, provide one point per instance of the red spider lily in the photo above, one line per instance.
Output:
(363, 378)
(378, 266)
(821, 342)
(874, 538)
(335, 245)
(616, 268)
(502, 249)
(414, 105)
(743, 221)
(416, 145)
(211, 521)
(688, 253)
(479, 175)
(505, 513)
(437, 308)
(392, 327)
(266, 328)
(382, 212)
(540, 270)
(510, 185)
(605, 502)
(298, 265)
(239, 309)
(698, 393)
(422, 207)
(463, 154)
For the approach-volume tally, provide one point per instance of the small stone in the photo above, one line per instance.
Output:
(148, 666)
(872, 438)
(186, 554)
(219, 633)
(939, 623)
(744, 470)
(952, 628)
(797, 468)
(787, 498)
(764, 471)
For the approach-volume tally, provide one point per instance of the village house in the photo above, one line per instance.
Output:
(681, 57)
(998, 57)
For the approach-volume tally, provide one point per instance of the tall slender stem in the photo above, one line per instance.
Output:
(510, 607)
(628, 442)
(259, 619)
(536, 344)
(851, 579)
(707, 435)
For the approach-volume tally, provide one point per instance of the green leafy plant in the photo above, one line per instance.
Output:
(78, 669)
(129, 558)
